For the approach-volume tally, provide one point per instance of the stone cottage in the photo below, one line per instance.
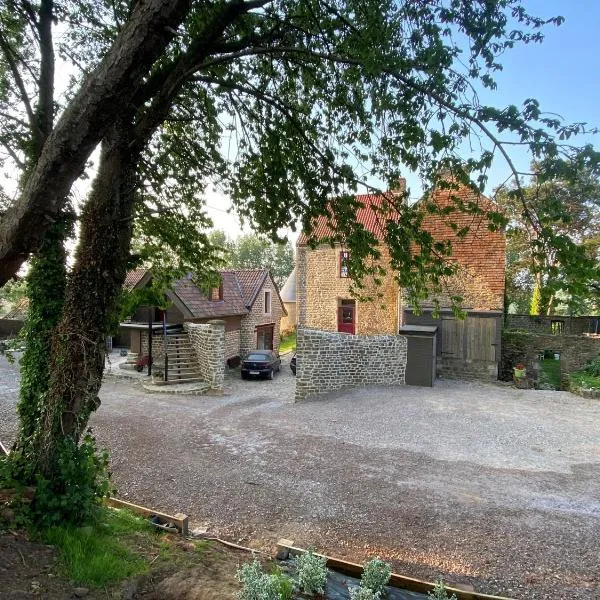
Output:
(247, 301)
(471, 347)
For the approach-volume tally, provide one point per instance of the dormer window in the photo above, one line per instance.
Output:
(344, 259)
(216, 293)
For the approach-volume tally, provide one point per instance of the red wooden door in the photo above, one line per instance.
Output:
(346, 314)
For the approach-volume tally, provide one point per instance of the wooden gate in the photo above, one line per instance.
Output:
(471, 339)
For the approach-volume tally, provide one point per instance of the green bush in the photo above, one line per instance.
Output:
(593, 367)
(440, 593)
(312, 572)
(364, 593)
(257, 585)
(376, 574)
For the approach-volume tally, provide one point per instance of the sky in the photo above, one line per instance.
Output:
(562, 73)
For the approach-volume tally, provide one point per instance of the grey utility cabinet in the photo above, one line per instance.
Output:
(420, 364)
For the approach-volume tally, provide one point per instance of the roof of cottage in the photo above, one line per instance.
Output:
(240, 289)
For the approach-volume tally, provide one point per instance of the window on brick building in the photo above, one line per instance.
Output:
(267, 303)
(344, 258)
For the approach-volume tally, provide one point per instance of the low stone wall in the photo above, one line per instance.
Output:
(554, 324)
(208, 342)
(232, 343)
(328, 361)
(523, 347)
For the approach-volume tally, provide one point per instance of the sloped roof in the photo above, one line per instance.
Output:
(375, 211)
(250, 282)
(288, 291)
(371, 216)
(201, 307)
(134, 277)
(240, 289)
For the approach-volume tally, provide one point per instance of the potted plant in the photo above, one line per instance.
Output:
(519, 371)
(141, 362)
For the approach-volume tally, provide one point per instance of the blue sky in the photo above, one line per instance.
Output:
(563, 72)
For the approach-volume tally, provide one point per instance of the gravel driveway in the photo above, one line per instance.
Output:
(485, 485)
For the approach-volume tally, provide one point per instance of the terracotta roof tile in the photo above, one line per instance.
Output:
(133, 278)
(250, 281)
(199, 305)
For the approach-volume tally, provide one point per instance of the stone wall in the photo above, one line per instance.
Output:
(158, 347)
(328, 361)
(554, 324)
(522, 347)
(232, 343)
(208, 342)
(320, 288)
(258, 316)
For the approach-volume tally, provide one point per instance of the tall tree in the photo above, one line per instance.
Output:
(282, 102)
(561, 257)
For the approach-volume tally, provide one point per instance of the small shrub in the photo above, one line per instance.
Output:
(312, 572)
(593, 367)
(376, 574)
(440, 593)
(257, 585)
(364, 593)
(283, 584)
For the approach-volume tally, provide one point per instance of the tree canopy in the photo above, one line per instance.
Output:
(556, 266)
(286, 105)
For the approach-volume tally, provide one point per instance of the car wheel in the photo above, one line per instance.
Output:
(271, 374)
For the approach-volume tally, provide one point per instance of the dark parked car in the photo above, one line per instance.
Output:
(260, 363)
(293, 364)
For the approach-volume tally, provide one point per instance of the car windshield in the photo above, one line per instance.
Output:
(257, 357)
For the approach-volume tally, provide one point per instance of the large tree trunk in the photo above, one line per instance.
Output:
(78, 349)
(97, 105)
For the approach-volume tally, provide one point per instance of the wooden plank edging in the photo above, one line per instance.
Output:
(3, 449)
(180, 520)
(286, 548)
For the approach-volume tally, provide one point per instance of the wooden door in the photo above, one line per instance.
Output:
(346, 317)
(481, 339)
(264, 337)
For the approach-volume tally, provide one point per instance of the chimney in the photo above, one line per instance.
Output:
(399, 188)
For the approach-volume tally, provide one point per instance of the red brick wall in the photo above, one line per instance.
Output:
(482, 253)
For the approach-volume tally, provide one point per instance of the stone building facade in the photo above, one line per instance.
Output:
(322, 291)
(208, 342)
(262, 323)
(329, 361)
(480, 254)
(247, 303)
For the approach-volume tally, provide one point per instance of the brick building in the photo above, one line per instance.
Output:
(247, 301)
(471, 347)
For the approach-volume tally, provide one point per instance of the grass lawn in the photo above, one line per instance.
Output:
(120, 546)
(550, 372)
(287, 343)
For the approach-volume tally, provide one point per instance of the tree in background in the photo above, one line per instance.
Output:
(253, 251)
(556, 265)
(286, 104)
